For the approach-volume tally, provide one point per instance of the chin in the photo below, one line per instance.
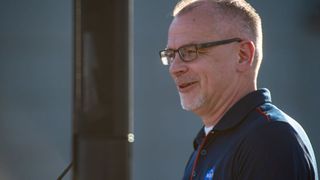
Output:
(191, 104)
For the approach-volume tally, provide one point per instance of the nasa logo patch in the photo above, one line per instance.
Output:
(209, 174)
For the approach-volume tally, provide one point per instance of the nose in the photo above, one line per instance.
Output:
(178, 67)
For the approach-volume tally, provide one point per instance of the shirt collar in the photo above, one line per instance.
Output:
(239, 110)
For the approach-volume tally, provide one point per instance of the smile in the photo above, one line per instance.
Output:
(184, 87)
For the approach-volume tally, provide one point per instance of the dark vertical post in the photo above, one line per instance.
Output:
(102, 111)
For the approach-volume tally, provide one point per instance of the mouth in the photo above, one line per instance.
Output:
(183, 87)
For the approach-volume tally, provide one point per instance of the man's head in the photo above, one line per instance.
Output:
(218, 75)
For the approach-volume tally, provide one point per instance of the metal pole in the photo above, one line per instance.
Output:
(102, 90)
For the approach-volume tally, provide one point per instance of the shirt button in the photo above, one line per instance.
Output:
(203, 152)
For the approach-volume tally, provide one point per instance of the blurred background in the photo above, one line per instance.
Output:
(36, 79)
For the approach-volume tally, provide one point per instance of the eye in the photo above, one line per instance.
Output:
(188, 52)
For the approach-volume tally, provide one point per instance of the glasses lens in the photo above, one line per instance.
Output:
(188, 53)
(166, 56)
(165, 61)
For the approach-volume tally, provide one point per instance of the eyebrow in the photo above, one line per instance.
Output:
(189, 44)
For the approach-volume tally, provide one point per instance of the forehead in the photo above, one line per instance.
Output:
(199, 25)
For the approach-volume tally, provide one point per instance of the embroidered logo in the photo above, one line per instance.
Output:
(209, 174)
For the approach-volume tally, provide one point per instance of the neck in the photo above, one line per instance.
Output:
(216, 110)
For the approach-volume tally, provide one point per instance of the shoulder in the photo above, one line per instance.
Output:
(276, 147)
(276, 131)
(278, 125)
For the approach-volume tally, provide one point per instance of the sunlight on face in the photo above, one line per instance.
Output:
(196, 102)
(202, 83)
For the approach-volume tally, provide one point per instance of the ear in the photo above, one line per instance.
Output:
(245, 55)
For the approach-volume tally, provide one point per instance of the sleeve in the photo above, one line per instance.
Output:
(274, 151)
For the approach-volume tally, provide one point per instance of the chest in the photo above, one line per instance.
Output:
(215, 158)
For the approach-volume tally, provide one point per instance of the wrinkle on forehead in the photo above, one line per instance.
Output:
(196, 26)
(187, 33)
(209, 14)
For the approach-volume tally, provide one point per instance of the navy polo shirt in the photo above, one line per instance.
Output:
(253, 140)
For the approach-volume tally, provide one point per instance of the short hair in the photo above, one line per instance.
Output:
(244, 16)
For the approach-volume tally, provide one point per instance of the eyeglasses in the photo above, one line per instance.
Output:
(190, 52)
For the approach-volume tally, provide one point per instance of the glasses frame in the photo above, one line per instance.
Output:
(197, 48)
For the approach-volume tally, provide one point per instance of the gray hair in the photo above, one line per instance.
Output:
(243, 16)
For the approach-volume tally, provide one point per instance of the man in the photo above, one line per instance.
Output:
(214, 52)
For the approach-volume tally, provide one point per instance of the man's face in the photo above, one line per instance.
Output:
(204, 82)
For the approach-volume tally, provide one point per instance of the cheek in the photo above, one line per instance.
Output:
(210, 79)
(215, 72)
(216, 78)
